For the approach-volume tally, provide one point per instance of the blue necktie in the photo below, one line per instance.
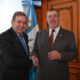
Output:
(23, 43)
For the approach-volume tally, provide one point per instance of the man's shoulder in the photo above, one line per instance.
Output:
(6, 34)
(66, 31)
(43, 31)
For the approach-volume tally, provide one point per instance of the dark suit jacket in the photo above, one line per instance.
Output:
(54, 69)
(14, 62)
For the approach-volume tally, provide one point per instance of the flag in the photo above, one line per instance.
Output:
(32, 20)
(33, 27)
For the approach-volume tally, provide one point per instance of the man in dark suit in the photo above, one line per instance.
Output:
(14, 50)
(52, 61)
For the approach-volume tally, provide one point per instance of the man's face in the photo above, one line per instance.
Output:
(19, 24)
(53, 19)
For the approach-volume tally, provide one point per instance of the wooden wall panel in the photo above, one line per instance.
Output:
(74, 74)
(44, 10)
(39, 16)
(79, 28)
(55, 2)
(65, 21)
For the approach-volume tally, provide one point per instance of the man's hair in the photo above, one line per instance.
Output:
(53, 9)
(18, 13)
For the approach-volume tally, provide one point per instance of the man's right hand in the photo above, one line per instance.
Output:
(35, 61)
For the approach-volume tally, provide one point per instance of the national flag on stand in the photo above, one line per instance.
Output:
(32, 20)
(33, 28)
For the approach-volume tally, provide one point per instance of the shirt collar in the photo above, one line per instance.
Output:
(56, 30)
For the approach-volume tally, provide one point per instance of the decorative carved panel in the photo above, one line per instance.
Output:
(60, 1)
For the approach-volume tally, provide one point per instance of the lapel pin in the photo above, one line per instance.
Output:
(61, 35)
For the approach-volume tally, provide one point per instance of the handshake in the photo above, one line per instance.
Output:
(35, 61)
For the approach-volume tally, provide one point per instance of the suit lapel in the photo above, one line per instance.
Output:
(26, 40)
(16, 39)
(47, 43)
(59, 38)
(57, 41)
(47, 36)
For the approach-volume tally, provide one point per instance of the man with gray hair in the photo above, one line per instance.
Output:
(53, 49)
